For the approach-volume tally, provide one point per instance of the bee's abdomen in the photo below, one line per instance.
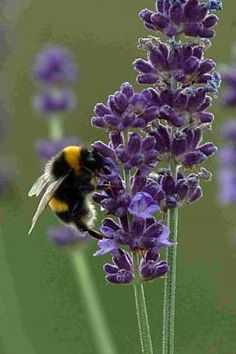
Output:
(58, 206)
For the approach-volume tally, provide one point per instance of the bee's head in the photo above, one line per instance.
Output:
(93, 161)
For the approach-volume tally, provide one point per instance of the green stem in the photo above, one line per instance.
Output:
(55, 130)
(144, 330)
(170, 283)
(98, 324)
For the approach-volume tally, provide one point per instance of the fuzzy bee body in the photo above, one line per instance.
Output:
(69, 179)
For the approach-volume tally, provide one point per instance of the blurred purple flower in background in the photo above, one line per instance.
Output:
(64, 236)
(55, 65)
(55, 101)
(227, 159)
(49, 148)
(227, 153)
(55, 69)
(229, 80)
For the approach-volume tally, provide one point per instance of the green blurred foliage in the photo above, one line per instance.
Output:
(41, 308)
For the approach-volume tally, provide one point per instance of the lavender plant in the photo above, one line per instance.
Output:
(155, 150)
(54, 70)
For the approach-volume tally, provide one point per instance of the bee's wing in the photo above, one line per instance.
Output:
(45, 200)
(42, 182)
(39, 185)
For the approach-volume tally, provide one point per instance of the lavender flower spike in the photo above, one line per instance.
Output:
(163, 123)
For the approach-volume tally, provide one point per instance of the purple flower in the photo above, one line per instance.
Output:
(65, 236)
(177, 191)
(55, 65)
(186, 64)
(55, 101)
(125, 109)
(184, 146)
(121, 271)
(143, 206)
(190, 17)
(48, 148)
(150, 268)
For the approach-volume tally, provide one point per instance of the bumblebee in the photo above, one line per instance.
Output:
(68, 181)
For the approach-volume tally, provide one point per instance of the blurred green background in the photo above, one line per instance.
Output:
(41, 305)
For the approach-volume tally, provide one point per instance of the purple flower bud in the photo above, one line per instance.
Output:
(193, 158)
(168, 184)
(127, 89)
(147, 78)
(192, 29)
(206, 66)
(179, 144)
(206, 117)
(181, 189)
(177, 14)
(158, 58)
(134, 143)
(208, 149)
(191, 65)
(100, 109)
(196, 195)
(143, 66)
(159, 20)
(121, 277)
(151, 269)
(190, 8)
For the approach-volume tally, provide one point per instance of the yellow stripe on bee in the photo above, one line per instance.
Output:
(58, 206)
(72, 157)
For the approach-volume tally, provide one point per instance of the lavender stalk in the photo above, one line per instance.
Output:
(182, 81)
(143, 323)
(163, 123)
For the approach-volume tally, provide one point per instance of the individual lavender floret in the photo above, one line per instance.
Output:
(49, 148)
(64, 236)
(54, 101)
(55, 65)
(189, 17)
(150, 267)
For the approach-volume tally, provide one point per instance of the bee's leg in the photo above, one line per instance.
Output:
(79, 214)
(101, 187)
(91, 232)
